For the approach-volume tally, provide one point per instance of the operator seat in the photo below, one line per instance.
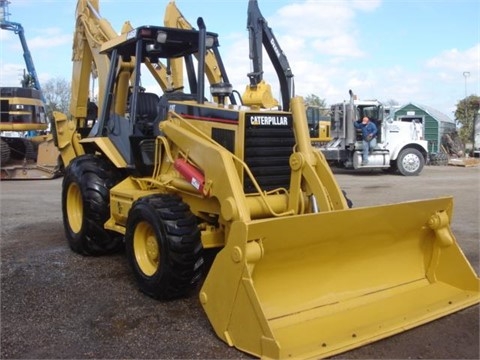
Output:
(142, 141)
(151, 110)
(147, 112)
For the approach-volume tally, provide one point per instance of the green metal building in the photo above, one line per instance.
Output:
(435, 123)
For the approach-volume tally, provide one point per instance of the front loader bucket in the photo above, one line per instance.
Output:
(316, 285)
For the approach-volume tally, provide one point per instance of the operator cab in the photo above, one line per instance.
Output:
(374, 112)
(130, 115)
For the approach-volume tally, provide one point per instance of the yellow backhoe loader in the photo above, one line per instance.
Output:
(169, 177)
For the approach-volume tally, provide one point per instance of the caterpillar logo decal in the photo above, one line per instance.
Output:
(269, 120)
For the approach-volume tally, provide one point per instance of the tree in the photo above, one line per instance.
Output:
(314, 100)
(392, 102)
(57, 94)
(465, 115)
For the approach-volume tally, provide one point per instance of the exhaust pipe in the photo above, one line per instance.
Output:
(202, 50)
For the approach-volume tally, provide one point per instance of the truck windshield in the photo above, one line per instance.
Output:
(372, 111)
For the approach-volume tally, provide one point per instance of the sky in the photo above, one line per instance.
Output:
(421, 51)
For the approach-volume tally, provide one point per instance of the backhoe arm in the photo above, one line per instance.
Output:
(261, 34)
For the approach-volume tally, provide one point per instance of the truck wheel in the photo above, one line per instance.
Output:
(410, 162)
(163, 246)
(85, 205)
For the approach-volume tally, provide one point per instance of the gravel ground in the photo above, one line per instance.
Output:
(59, 305)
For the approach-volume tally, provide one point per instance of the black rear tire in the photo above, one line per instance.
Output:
(85, 205)
(163, 246)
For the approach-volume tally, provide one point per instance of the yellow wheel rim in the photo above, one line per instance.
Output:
(145, 248)
(74, 208)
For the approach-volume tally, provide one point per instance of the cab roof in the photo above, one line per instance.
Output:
(174, 42)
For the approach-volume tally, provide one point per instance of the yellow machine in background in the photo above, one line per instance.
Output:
(27, 151)
(319, 125)
(26, 156)
(169, 177)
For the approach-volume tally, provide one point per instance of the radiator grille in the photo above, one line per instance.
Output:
(267, 153)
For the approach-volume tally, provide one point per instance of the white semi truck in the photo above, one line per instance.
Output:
(400, 145)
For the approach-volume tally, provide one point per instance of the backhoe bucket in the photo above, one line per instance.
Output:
(315, 285)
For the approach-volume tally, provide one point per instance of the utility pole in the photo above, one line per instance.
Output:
(476, 135)
(466, 74)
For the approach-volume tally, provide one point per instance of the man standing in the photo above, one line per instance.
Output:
(369, 136)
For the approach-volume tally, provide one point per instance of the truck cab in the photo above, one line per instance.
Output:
(400, 145)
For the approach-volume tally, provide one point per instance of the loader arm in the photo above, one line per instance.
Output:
(311, 176)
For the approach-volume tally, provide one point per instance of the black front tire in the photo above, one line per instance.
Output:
(163, 246)
(85, 205)
(410, 162)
